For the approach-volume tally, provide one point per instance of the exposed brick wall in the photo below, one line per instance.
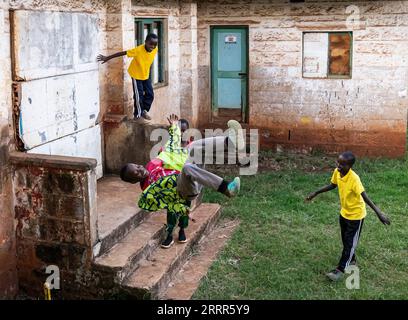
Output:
(366, 113)
(56, 219)
(120, 137)
(178, 96)
(116, 32)
(167, 98)
(8, 279)
(188, 61)
(120, 29)
(8, 276)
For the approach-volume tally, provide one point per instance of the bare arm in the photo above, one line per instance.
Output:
(383, 218)
(324, 189)
(107, 58)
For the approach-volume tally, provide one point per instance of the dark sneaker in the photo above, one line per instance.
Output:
(334, 275)
(182, 236)
(146, 115)
(233, 187)
(168, 242)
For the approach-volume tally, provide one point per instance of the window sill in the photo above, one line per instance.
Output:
(329, 78)
(339, 77)
(160, 85)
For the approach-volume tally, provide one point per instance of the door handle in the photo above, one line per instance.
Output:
(242, 74)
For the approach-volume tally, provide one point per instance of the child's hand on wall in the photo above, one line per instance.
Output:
(102, 58)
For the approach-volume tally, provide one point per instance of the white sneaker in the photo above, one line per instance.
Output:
(236, 134)
(146, 115)
(141, 121)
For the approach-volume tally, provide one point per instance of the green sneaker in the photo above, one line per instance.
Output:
(233, 187)
(335, 275)
(236, 134)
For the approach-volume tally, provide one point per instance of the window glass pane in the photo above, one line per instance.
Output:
(339, 54)
(156, 59)
(145, 31)
(315, 46)
(137, 26)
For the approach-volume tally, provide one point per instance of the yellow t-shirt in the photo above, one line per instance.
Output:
(350, 189)
(139, 68)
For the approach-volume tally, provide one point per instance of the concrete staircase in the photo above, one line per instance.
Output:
(129, 260)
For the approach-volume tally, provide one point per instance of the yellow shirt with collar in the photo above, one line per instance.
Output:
(350, 189)
(139, 68)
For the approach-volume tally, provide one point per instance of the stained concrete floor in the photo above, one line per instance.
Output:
(116, 202)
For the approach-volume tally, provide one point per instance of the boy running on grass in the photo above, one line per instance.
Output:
(353, 210)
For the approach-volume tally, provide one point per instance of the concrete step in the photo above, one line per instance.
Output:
(154, 273)
(117, 210)
(123, 258)
(109, 239)
(187, 280)
(222, 124)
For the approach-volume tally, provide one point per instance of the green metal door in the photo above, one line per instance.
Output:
(229, 68)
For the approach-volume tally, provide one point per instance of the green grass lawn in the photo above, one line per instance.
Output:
(284, 246)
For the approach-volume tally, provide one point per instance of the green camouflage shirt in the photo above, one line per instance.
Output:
(163, 194)
(173, 155)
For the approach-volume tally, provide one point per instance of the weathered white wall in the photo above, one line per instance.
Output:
(48, 43)
(55, 64)
(84, 143)
(366, 113)
(54, 107)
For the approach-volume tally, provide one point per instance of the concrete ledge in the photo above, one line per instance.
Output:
(127, 141)
(46, 161)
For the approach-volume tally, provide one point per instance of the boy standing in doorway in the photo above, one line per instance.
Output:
(139, 70)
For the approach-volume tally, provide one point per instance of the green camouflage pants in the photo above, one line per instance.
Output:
(174, 218)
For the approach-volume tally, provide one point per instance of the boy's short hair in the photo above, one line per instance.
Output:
(185, 122)
(151, 36)
(349, 157)
(124, 173)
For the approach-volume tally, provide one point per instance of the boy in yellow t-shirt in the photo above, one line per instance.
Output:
(353, 211)
(139, 70)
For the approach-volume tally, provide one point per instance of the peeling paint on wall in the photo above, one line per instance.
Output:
(58, 105)
(52, 108)
(50, 43)
(85, 143)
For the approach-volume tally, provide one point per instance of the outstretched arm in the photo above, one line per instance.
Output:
(107, 58)
(174, 141)
(324, 189)
(383, 218)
